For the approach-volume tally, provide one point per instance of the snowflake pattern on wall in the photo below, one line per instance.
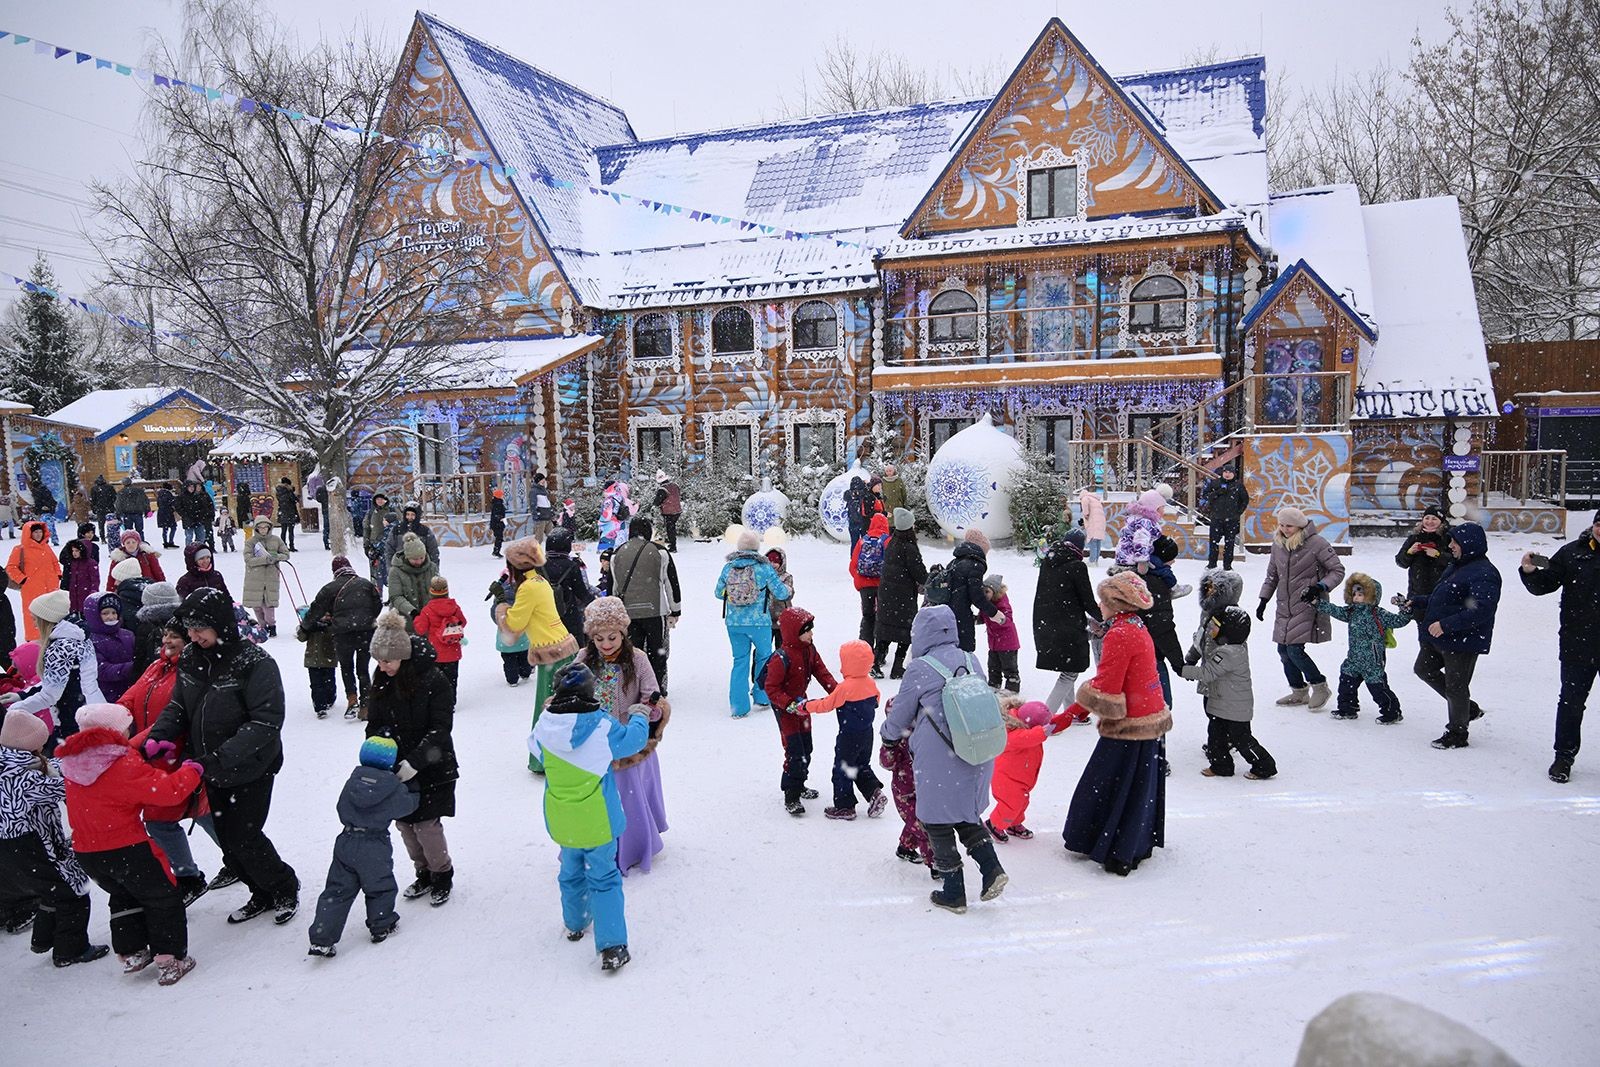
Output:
(959, 492)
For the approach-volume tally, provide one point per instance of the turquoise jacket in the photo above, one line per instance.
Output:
(769, 587)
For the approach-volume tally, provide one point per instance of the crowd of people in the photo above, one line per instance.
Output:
(145, 705)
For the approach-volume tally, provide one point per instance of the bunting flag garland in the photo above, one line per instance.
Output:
(95, 309)
(247, 106)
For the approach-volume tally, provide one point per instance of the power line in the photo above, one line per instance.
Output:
(62, 230)
(34, 190)
(121, 134)
(47, 173)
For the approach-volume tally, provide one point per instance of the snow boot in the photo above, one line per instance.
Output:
(419, 887)
(1476, 713)
(326, 952)
(222, 880)
(88, 955)
(1293, 697)
(1390, 717)
(439, 891)
(169, 969)
(321, 713)
(843, 814)
(1020, 832)
(909, 855)
(1451, 738)
(953, 897)
(1320, 695)
(18, 923)
(994, 875)
(283, 908)
(383, 933)
(249, 910)
(614, 958)
(994, 831)
(876, 671)
(809, 794)
(575, 935)
(879, 801)
(192, 887)
(1561, 770)
(1340, 713)
(794, 807)
(138, 961)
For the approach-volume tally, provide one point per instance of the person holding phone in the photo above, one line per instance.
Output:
(1575, 570)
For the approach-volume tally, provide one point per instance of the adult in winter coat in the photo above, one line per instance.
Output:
(645, 578)
(113, 643)
(288, 511)
(969, 564)
(857, 509)
(411, 575)
(80, 566)
(262, 580)
(35, 570)
(411, 523)
(669, 501)
(131, 546)
(167, 515)
(533, 613)
(1302, 567)
(1457, 621)
(904, 575)
(1063, 608)
(1118, 811)
(102, 502)
(866, 575)
(35, 853)
(195, 512)
(158, 603)
(543, 511)
(1093, 518)
(1224, 501)
(1425, 553)
(228, 710)
(132, 506)
(746, 587)
(8, 622)
(568, 578)
(348, 607)
(200, 571)
(243, 504)
(415, 704)
(951, 793)
(69, 672)
(892, 489)
(374, 534)
(1575, 570)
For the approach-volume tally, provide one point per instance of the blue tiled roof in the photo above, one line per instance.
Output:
(1196, 96)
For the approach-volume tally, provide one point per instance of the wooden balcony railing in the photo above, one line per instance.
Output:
(1528, 477)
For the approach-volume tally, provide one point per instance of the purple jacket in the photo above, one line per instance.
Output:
(80, 577)
(113, 645)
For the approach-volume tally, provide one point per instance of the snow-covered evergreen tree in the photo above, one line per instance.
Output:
(43, 347)
(803, 484)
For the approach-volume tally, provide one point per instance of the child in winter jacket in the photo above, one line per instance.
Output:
(1220, 662)
(321, 660)
(1370, 630)
(866, 570)
(35, 855)
(113, 643)
(108, 786)
(789, 670)
(512, 646)
(226, 530)
(895, 757)
(856, 701)
(363, 854)
(80, 565)
(577, 743)
(1016, 770)
(444, 626)
(1001, 628)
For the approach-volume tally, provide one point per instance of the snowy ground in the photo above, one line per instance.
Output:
(1463, 880)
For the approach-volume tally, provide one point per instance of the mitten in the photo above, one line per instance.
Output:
(405, 772)
(1192, 658)
(1261, 610)
(158, 749)
(195, 764)
(1312, 594)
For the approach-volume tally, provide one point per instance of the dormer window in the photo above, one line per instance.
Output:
(1052, 193)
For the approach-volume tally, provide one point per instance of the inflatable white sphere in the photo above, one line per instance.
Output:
(830, 506)
(968, 477)
(765, 509)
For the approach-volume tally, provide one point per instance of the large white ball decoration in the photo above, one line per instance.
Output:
(830, 506)
(968, 477)
(765, 509)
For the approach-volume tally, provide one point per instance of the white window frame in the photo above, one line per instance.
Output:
(674, 332)
(754, 352)
(434, 416)
(816, 355)
(674, 423)
(713, 419)
(1190, 280)
(812, 417)
(1049, 157)
(980, 299)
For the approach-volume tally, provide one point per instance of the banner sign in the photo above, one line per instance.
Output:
(1462, 464)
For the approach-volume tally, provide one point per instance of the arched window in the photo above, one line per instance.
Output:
(733, 330)
(953, 316)
(1157, 305)
(815, 326)
(652, 337)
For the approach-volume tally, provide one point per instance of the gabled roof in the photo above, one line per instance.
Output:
(1300, 269)
(110, 411)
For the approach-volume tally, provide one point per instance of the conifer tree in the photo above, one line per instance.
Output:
(43, 347)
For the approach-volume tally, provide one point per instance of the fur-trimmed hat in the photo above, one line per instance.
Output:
(110, 716)
(904, 519)
(605, 613)
(389, 639)
(380, 752)
(525, 553)
(977, 537)
(24, 730)
(52, 606)
(125, 569)
(1124, 591)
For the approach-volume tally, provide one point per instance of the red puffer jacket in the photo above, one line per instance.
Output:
(146, 699)
(1125, 692)
(108, 787)
(786, 683)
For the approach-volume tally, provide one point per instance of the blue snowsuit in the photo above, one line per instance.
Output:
(1366, 660)
(363, 855)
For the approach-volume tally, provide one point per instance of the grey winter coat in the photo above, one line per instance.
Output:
(261, 579)
(1224, 676)
(949, 790)
(1297, 563)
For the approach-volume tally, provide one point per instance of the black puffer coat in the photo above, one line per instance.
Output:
(1575, 570)
(1063, 604)
(1225, 502)
(967, 568)
(903, 575)
(1422, 570)
(349, 604)
(417, 708)
(570, 584)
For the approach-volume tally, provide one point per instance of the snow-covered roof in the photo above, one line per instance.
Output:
(105, 409)
(1430, 359)
(505, 364)
(1095, 231)
(1323, 226)
(254, 441)
(12, 407)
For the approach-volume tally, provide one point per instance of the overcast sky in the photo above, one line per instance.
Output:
(672, 66)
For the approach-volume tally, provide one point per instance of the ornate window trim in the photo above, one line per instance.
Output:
(1044, 158)
(812, 417)
(956, 284)
(815, 355)
(653, 422)
(431, 413)
(709, 316)
(736, 417)
(925, 420)
(1190, 280)
(675, 328)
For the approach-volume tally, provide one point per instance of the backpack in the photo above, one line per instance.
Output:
(567, 599)
(869, 561)
(761, 677)
(972, 711)
(938, 589)
(740, 588)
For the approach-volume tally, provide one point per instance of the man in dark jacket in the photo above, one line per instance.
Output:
(856, 509)
(569, 580)
(167, 515)
(411, 522)
(102, 502)
(194, 513)
(1457, 625)
(241, 504)
(669, 501)
(1224, 502)
(288, 511)
(967, 568)
(497, 520)
(228, 707)
(1575, 570)
(348, 608)
(544, 511)
(322, 512)
(646, 580)
(132, 504)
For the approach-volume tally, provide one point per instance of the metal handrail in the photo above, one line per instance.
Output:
(1524, 475)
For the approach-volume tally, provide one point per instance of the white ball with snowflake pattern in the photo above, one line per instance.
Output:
(830, 505)
(765, 509)
(967, 480)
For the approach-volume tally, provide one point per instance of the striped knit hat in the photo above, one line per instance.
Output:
(380, 752)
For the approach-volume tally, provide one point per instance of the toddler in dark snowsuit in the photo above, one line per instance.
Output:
(856, 701)
(1369, 636)
(895, 757)
(789, 670)
(363, 855)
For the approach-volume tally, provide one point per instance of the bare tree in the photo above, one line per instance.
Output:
(1359, 130)
(848, 79)
(265, 241)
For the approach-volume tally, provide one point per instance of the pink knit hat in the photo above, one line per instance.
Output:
(1034, 713)
(977, 537)
(110, 716)
(24, 730)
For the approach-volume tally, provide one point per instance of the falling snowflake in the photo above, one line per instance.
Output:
(958, 492)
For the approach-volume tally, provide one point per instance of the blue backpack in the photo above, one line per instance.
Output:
(869, 560)
(761, 676)
(972, 713)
